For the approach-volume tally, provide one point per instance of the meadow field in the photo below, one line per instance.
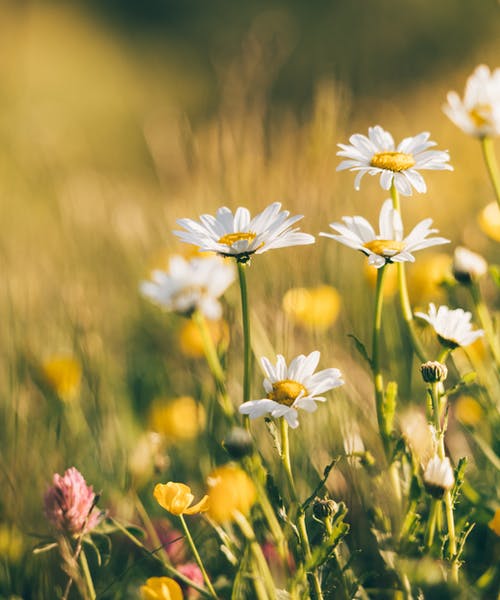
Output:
(391, 488)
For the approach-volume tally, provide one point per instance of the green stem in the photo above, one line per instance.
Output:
(488, 149)
(313, 577)
(197, 557)
(214, 363)
(247, 356)
(377, 373)
(404, 298)
(431, 524)
(262, 578)
(486, 321)
(87, 575)
(168, 567)
(150, 528)
(450, 521)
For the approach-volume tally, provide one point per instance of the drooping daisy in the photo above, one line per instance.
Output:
(478, 114)
(438, 476)
(240, 236)
(377, 154)
(453, 327)
(292, 387)
(467, 265)
(389, 246)
(190, 284)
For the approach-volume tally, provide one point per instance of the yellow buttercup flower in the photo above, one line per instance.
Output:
(230, 490)
(489, 221)
(63, 374)
(494, 524)
(11, 543)
(161, 588)
(315, 308)
(426, 276)
(179, 419)
(190, 340)
(390, 279)
(468, 410)
(177, 498)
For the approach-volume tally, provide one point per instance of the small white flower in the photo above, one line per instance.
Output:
(292, 387)
(190, 284)
(377, 154)
(452, 327)
(240, 236)
(438, 476)
(389, 246)
(467, 265)
(478, 114)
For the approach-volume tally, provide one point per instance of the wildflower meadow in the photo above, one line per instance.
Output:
(272, 374)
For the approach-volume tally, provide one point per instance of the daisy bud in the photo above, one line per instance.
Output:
(324, 508)
(238, 443)
(438, 476)
(433, 371)
(468, 266)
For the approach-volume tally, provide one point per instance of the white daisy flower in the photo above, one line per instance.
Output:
(292, 387)
(378, 155)
(478, 114)
(467, 265)
(438, 476)
(452, 327)
(389, 246)
(190, 284)
(240, 236)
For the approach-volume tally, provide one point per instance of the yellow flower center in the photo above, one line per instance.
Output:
(231, 238)
(286, 391)
(392, 161)
(480, 114)
(384, 247)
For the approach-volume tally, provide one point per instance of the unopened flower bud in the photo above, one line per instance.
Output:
(324, 508)
(433, 371)
(438, 476)
(238, 443)
(467, 265)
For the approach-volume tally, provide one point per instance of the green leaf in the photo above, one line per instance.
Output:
(44, 547)
(360, 347)
(495, 274)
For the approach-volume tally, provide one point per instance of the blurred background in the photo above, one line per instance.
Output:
(119, 116)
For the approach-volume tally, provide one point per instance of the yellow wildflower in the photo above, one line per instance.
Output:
(191, 343)
(489, 221)
(494, 524)
(179, 419)
(426, 275)
(11, 543)
(316, 307)
(177, 498)
(468, 410)
(390, 279)
(63, 374)
(230, 489)
(161, 588)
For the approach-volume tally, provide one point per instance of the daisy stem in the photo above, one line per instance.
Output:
(488, 149)
(197, 557)
(486, 322)
(313, 578)
(377, 373)
(247, 357)
(213, 363)
(450, 521)
(431, 523)
(262, 578)
(404, 298)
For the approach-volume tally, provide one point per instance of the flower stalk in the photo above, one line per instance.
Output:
(313, 577)
(486, 321)
(488, 149)
(245, 314)
(197, 557)
(404, 298)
